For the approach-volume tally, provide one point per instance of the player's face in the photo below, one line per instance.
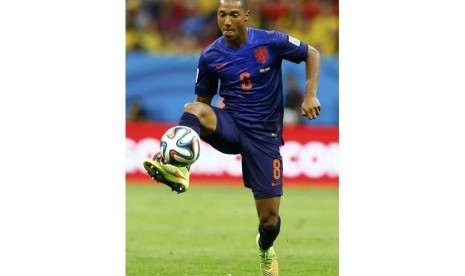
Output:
(231, 19)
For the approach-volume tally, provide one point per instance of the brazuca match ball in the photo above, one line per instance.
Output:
(180, 146)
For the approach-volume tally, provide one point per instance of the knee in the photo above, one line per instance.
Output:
(269, 221)
(198, 109)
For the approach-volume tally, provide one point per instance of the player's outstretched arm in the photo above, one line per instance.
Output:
(311, 106)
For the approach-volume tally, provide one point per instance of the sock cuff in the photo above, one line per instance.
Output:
(190, 120)
(267, 237)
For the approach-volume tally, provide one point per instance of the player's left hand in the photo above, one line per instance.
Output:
(311, 108)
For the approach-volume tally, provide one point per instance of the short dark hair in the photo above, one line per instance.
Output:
(243, 3)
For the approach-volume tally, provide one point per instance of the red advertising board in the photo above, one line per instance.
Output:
(310, 156)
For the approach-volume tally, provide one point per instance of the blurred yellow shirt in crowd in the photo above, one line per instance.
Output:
(325, 31)
(321, 32)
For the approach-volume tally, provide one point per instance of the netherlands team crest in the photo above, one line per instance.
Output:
(261, 54)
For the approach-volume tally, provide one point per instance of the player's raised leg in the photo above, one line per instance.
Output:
(198, 116)
(268, 228)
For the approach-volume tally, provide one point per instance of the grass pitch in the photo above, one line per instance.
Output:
(210, 230)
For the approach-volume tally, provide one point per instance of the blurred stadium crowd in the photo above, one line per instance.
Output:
(187, 26)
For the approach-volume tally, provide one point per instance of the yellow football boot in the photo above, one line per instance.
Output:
(177, 178)
(268, 260)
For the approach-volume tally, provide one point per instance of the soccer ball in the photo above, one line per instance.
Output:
(180, 146)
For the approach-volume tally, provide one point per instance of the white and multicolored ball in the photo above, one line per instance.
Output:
(180, 146)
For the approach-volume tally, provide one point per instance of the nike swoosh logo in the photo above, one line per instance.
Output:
(178, 175)
(274, 184)
(219, 67)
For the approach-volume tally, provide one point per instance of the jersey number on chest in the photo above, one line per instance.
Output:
(245, 81)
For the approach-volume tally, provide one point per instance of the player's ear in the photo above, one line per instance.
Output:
(247, 13)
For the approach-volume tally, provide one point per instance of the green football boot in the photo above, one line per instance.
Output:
(177, 178)
(268, 260)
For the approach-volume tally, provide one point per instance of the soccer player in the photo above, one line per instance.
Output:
(247, 62)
